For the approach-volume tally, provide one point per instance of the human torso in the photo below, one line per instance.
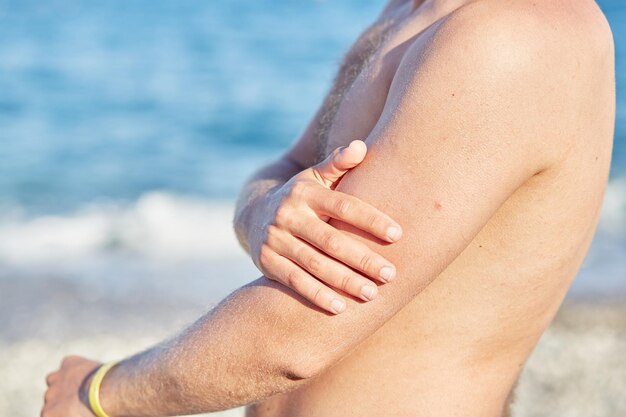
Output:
(458, 347)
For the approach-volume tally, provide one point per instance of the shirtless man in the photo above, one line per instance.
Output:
(489, 125)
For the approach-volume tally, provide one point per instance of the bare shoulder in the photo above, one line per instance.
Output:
(538, 64)
(567, 32)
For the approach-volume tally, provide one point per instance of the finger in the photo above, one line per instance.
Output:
(52, 411)
(341, 161)
(327, 270)
(68, 360)
(300, 281)
(53, 376)
(346, 249)
(48, 396)
(357, 213)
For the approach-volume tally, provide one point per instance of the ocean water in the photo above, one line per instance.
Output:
(128, 126)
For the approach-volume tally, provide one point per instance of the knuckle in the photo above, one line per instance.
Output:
(293, 278)
(282, 215)
(68, 360)
(48, 396)
(271, 235)
(50, 378)
(317, 295)
(298, 190)
(297, 253)
(343, 206)
(375, 222)
(330, 242)
(366, 262)
(314, 264)
(346, 281)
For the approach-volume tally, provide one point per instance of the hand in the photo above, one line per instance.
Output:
(67, 389)
(294, 244)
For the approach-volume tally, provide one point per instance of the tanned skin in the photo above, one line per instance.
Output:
(489, 128)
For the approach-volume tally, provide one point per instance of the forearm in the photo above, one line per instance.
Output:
(257, 187)
(259, 342)
(226, 359)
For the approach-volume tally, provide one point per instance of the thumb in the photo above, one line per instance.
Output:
(343, 159)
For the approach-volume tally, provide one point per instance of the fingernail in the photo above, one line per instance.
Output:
(368, 292)
(337, 306)
(387, 273)
(394, 233)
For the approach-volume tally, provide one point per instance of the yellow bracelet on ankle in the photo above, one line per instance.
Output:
(94, 389)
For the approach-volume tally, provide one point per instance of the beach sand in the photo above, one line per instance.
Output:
(578, 368)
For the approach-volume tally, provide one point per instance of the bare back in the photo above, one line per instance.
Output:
(458, 347)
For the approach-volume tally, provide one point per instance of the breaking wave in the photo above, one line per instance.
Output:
(157, 226)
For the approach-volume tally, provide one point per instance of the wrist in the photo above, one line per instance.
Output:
(248, 221)
(97, 389)
(241, 224)
(83, 389)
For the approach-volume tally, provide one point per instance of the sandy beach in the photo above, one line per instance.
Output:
(578, 369)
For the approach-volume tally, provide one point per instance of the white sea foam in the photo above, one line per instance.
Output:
(157, 226)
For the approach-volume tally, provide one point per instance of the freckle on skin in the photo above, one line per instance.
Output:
(438, 205)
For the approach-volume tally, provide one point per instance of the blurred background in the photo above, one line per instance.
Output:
(126, 130)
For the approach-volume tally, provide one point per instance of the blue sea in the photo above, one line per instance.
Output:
(128, 126)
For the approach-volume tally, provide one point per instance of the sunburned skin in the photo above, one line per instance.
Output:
(459, 346)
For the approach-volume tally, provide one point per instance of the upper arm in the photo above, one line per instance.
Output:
(464, 126)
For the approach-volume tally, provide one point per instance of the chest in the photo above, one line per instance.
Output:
(361, 87)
